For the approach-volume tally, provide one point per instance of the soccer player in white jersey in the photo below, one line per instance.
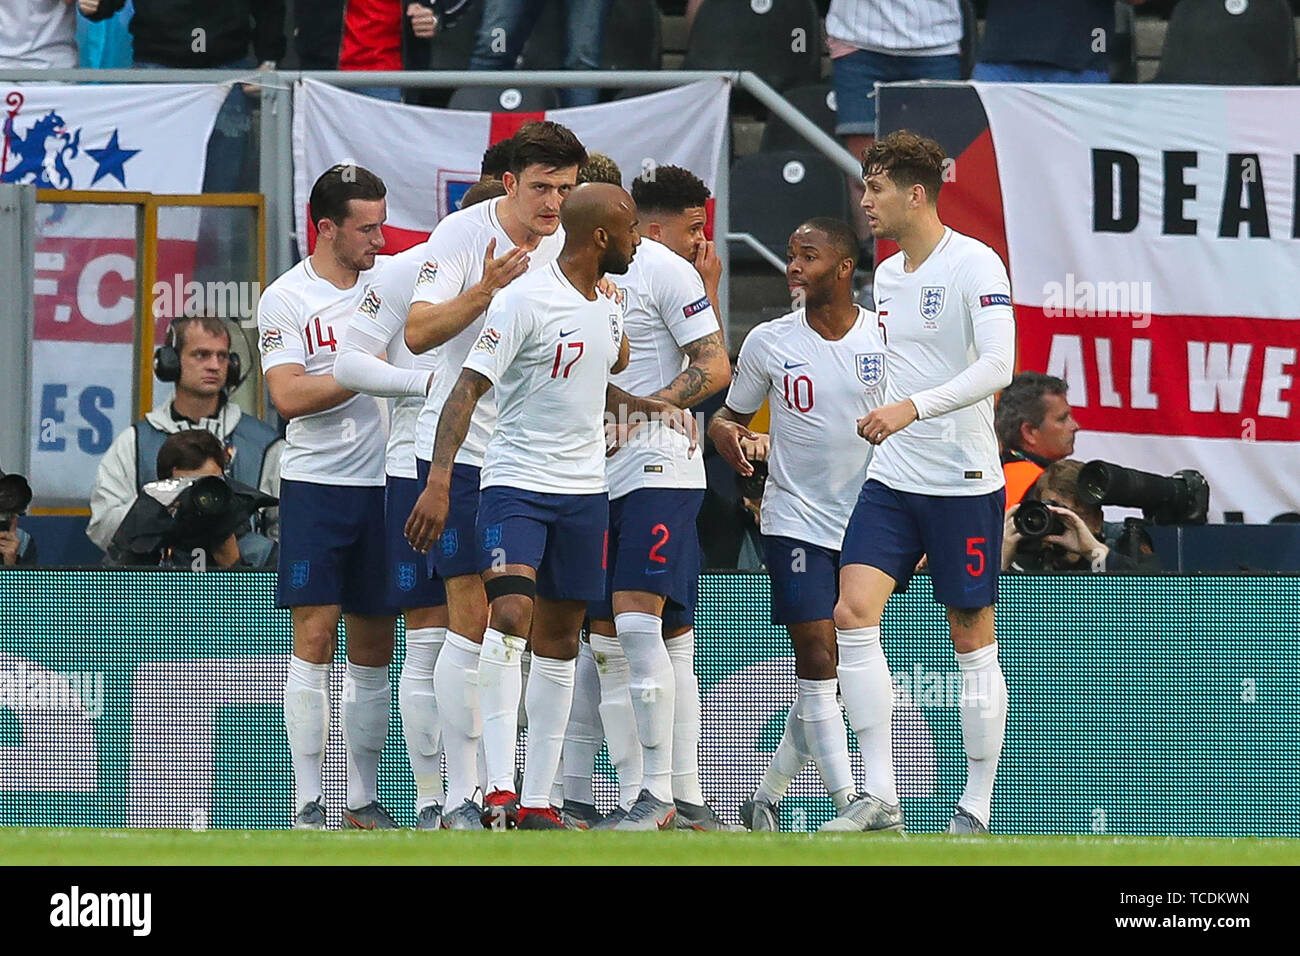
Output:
(655, 493)
(471, 256)
(821, 369)
(934, 486)
(331, 497)
(547, 346)
(406, 378)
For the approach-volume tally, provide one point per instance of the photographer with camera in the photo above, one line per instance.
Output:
(1035, 427)
(17, 549)
(1058, 526)
(196, 356)
(191, 509)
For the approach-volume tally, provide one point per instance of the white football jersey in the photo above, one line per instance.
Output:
(931, 319)
(300, 319)
(453, 261)
(548, 351)
(386, 331)
(816, 391)
(665, 309)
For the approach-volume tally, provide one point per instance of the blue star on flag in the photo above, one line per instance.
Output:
(111, 159)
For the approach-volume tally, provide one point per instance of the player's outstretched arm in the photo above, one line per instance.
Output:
(430, 512)
(708, 373)
(729, 428)
(295, 393)
(623, 405)
(429, 324)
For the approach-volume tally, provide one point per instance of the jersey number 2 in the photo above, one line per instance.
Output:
(559, 356)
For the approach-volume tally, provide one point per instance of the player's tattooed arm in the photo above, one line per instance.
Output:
(707, 374)
(453, 421)
(623, 406)
(429, 515)
(729, 431)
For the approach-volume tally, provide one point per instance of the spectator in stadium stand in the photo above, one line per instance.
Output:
(38, 35)
(1065, 41)
(1035, 426)
(106, 44)
(317, 30)
(878, 41)
(253, 449)
(372, 38)
(200, 34)
(507, 25)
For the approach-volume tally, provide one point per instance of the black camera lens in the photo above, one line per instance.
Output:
(1033, 519)
(752, 486)
(209, 497)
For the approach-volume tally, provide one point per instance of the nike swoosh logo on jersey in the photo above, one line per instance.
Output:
(570, 332)
(790, 365)
(883, 301)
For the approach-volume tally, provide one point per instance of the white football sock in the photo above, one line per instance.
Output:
(550, 696)
(367, 697)
(686, 720)
(822, 727)
(307, 722)
(583, 735)
(455, 685)
(868, 691)
(653, 697)
(789, 759)
(983, 726)
(617, 716)
(418, 705)
(500, 683)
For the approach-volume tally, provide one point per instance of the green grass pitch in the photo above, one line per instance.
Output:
(81, 847)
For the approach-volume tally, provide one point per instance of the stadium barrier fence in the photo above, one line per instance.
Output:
(1139, 705)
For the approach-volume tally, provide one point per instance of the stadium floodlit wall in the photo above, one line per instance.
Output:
(1140, 705)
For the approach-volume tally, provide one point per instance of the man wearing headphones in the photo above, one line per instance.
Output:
(197, 356)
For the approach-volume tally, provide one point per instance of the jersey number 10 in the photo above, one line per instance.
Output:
(799, 393)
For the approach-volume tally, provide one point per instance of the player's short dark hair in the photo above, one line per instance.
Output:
(482, 191)
(1023, 402)
(839, 232)
(496, 159)
(189, 449)
(599, 168)
(338, 186)
(181, 326)
(908, 159)
(669, 189)
(547, 144)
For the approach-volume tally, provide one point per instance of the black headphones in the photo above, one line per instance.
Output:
(167, 361)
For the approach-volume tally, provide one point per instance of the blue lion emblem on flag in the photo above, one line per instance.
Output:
(406, 576)
(871, 368)
(449, 542)
(299, 574)
(491, 537)
(41, 154)
(932, 297)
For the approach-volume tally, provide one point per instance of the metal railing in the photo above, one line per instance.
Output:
(275, 161)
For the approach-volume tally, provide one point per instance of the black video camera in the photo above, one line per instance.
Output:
(751, 486)
(1181, 498)
(15, 496)
(183, 515)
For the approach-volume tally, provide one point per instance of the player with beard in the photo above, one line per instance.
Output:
(548, 346)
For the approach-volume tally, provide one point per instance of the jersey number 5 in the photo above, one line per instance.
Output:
(559, 357)
(799, 393)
